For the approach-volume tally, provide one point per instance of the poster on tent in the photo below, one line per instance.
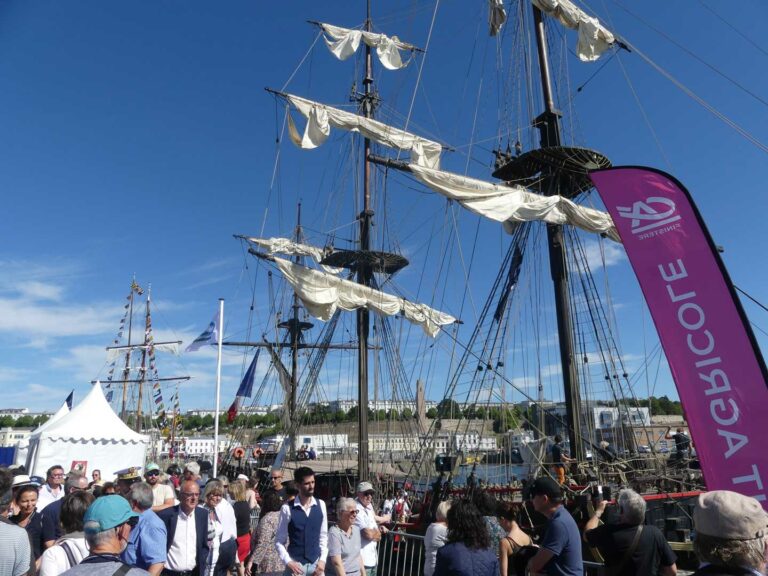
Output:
(79, 466)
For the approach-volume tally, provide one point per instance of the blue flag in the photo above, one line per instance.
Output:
(245, 389)
(109, 396)
(69, 399)
(246, 386)
(209, 336)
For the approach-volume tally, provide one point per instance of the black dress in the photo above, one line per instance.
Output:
(34, 530)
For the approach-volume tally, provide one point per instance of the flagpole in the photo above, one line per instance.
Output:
(218, 390)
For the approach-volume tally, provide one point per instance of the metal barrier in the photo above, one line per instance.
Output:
(401, 554)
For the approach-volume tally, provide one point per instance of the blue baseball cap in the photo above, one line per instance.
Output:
(107, 512)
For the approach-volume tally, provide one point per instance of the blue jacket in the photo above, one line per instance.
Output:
(455, 559)
(170, 517)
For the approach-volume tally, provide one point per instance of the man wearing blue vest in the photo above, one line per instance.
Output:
(302, 534)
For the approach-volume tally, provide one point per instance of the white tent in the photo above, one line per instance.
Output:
(91, 436)
(22, 447)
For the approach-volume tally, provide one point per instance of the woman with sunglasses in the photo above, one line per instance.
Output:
(344, 541)
(214, 492)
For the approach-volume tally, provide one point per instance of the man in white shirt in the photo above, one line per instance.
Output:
(187, 528)
(162, 495)
(371, 527)
(52, 489)
(302, 533)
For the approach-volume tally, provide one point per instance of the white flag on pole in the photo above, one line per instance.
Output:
(209, 336)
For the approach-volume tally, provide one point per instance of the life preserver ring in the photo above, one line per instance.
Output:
(257, 452)
(238, 452)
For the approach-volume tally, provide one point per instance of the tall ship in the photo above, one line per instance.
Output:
(440, 304)
(144, 398)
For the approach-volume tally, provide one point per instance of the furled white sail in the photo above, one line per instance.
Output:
(287, 246)
(514, 204)
(497, 16)
(115, 352)
(322, 294)
(594, 38)
(320, 118)
(343, 42)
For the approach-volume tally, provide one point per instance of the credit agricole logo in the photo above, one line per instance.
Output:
(651, 217)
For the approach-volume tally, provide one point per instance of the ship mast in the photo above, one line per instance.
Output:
(295, 329)
(563, 171)
(364, 273)
(127, 369)
(143, 369)
(549, 129)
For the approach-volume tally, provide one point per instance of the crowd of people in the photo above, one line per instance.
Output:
(176, 524)
(480, 537)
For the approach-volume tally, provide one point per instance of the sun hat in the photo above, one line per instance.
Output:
(365, 487)
(730, 516)
(151, 467)
(23, 480)
(107, 512)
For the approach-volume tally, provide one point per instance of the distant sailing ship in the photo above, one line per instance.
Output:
(143, 399)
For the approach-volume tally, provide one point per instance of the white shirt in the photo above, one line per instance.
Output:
(366, 519)
(54, 560)
(161, 493)
(183, 551)
(281, 538)
(45, 496)
(226, 515)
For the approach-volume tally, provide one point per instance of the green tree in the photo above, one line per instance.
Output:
(448, 408)
(432, 413)
(25, 421)
(340, 416)
(406, 414)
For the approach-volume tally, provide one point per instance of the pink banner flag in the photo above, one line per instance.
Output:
(714, 358)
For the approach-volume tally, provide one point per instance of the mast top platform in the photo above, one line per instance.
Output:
(570, 165)
(373, 260)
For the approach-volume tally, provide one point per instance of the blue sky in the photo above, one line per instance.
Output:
(136, 138)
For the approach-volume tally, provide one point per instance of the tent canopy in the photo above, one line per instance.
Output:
(90, 436)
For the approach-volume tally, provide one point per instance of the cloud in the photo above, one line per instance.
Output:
(21, 317)
(601, 254)
(35, 290)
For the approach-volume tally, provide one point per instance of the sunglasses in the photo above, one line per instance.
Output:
(132, 521)
(153, 473)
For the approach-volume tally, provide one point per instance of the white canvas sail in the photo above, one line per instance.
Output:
(115, 352)
(343, 43)
(320, 118)
(594, 38)
(514, 204)
(323, 293)
(287, 246)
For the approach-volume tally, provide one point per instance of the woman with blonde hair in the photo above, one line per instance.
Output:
(436, 537)
(242, 519)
